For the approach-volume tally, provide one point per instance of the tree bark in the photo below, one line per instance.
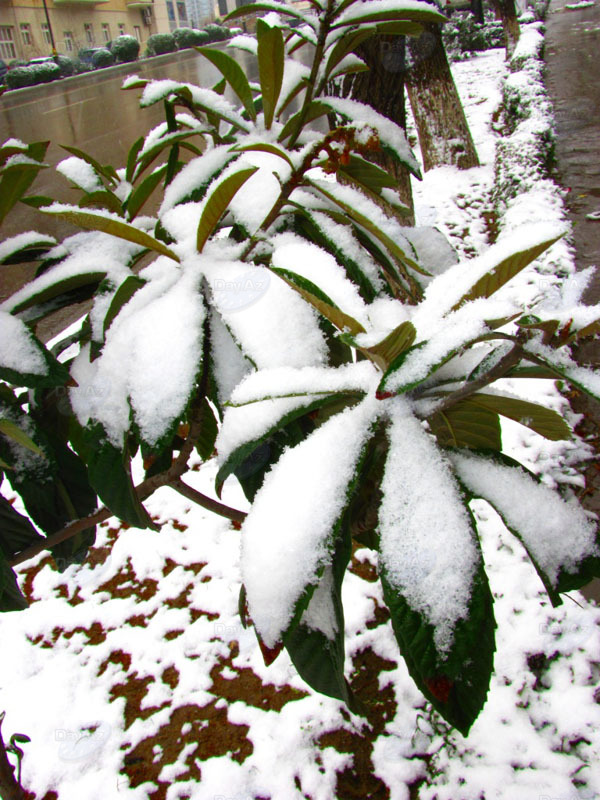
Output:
(382, 88)
(506, 11)
(477, 11)
(444, 134)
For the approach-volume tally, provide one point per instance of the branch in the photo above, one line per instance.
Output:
(499, 370)
(207, 502)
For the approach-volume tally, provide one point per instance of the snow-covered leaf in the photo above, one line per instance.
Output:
(29, 246)
(108, 223)
(542, 420)
(318, 300)
(234, 74)
(291, 531)
(218, 202)
(24, 361)
(432, 574)
(540, 517)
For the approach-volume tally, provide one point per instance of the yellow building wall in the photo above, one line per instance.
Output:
(72, 17)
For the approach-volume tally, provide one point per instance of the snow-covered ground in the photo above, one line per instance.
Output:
(135, 679)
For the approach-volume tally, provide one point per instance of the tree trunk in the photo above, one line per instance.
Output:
(477, 11)
(442, 127)
(506, 11)
(382, 88)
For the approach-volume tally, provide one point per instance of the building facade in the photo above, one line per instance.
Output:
(29, 27)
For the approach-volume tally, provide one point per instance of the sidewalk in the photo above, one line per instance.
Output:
(573, 83)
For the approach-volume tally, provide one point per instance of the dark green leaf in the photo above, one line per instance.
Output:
(540, 419)
(271, 54)
(234, 74)
(122, 296)
(89, 220)
(467, 424)
(102, 199)
(205, 444)
(218, 202)
(16, 531)
(11, 598)
(110, 475)
(105, 172)
(141, 193)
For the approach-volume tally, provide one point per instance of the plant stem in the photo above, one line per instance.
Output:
(207, 502)
(499, 370)
(9, 787)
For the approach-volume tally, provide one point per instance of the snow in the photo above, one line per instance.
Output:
(518, 499)
(428, 556)
(21, 241)
(221, 724)
(390, 134)
(196, 173)
(80, 173)
(288, 531)
(17, 350)
(157, 379)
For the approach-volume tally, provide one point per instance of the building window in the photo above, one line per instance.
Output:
(121, 29)
(26, 33)
(89, 32)
(7, 43)
(223, 8)
(138, 33)
(170, 11)
(68, 36)
(46, 33)
(181, 12)
(106, 31)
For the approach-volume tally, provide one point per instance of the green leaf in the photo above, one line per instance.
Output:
(467, 424)
(218, 202)
(318, 300)
(32, 251)
(579, 377)
(55, 374)
(540, 419)
(266, 147)
(391, 16)
(251, 8)
(205, 444)
(344, 45)
(11, 598)
(504, 270)
(107, 172)
(102, 199)
(110, 475)
(132, 157)
(15, 433)
(122, 296)
(169, 140)
(15, 181)
(368, 174)
(308, 227)
(271, 54)
(16, 531)
(315, 110)
(91, 221)
(141, 193)
(250, 456)
(234, 75)
(393, 248)
(398, 341)
(62, 288)
(455, 684)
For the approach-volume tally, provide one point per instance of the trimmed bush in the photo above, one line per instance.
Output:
(102, 58)
(19, 77)
(160, 43)
(46, 72)
(125, 48)
(17, 62)
(189, 37)
(463, 35)
(66, 66)
(217, 33)
(79, 67)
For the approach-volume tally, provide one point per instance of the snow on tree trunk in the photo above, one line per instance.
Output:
(382, 88)
(442, 127)
(506, 11)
